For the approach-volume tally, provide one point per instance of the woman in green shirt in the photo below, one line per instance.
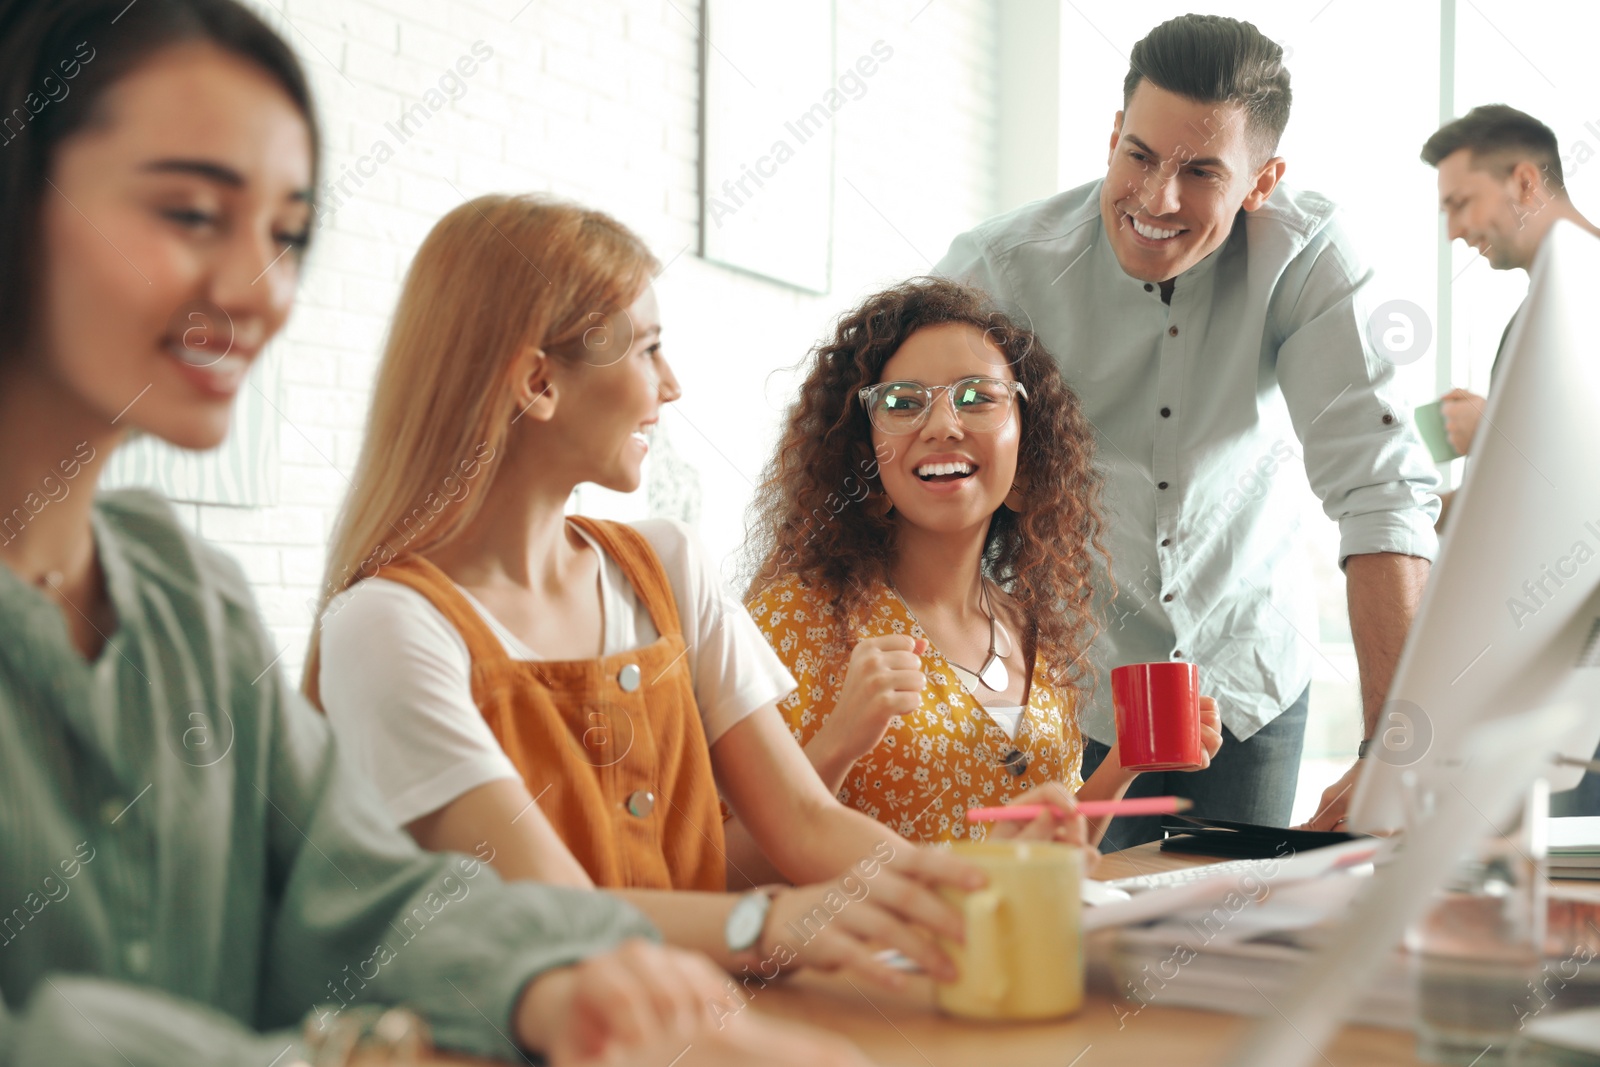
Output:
(185, 871)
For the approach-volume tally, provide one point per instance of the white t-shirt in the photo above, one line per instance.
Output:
(1006, 716)
(396, 677)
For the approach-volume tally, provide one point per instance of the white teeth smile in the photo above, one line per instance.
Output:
(1150, 231)
(929, 470)
(196, 357)
(642, 437)
(226, 371)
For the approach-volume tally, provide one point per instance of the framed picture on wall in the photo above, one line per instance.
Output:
(766, 128)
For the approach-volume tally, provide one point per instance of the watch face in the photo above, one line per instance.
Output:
(746, 920)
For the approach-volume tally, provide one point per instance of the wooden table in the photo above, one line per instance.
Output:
(897, 1029)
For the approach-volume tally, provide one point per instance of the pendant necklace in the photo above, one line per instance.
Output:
(993, 675)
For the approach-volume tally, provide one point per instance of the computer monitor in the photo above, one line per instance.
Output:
(1510, 618)
(1501, 671)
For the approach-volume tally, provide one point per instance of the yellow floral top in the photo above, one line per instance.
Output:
(949, 756)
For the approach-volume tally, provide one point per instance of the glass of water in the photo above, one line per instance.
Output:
(1479, 949)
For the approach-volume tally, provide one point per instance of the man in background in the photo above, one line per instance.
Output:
(1501, 190)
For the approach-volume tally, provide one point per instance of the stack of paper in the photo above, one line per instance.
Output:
(1575, 847)
(1239, 954)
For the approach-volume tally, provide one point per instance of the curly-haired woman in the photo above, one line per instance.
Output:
(925, 533)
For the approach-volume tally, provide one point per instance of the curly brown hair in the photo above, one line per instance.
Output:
(802, 521)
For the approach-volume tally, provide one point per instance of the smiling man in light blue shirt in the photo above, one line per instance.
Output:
(1214, 324)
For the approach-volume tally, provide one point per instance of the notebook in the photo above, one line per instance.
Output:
(1215, 837)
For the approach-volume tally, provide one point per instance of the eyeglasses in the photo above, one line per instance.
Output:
(978, 403)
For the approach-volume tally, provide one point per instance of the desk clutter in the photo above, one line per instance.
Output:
(1231, 953)
(1230, 937)
(1575, 847)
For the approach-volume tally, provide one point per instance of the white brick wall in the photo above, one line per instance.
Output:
(597, 100)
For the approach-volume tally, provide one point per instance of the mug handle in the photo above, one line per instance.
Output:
(985, 973)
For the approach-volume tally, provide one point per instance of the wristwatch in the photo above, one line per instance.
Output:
(1361, 749)
(746, 922)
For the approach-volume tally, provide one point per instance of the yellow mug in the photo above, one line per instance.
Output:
(1023, 957)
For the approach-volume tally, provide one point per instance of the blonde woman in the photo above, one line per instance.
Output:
(567, 697)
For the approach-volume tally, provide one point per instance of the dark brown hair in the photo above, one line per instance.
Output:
(57, 59)
(808, 519)
(1499, 137)
(1214, 59)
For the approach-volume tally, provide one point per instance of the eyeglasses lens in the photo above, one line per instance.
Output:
(980, 404)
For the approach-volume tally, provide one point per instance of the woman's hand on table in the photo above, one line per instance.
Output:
(882, 901)
(648, 1003)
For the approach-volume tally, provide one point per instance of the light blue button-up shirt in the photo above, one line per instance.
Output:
(1204, 411)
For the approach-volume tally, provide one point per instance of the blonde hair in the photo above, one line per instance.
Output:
(494, 276)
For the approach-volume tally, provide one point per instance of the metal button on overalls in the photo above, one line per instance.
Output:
(628, 678)
(641, 803)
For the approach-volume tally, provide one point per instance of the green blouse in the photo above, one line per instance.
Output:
(188, 867)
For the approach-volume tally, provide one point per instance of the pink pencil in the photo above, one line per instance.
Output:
(1089, 808)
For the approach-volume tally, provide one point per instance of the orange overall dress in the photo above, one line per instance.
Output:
(612, 749)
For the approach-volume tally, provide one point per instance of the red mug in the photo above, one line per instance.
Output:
(1158, 716)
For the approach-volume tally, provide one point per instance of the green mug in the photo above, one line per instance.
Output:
(1430, 424)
